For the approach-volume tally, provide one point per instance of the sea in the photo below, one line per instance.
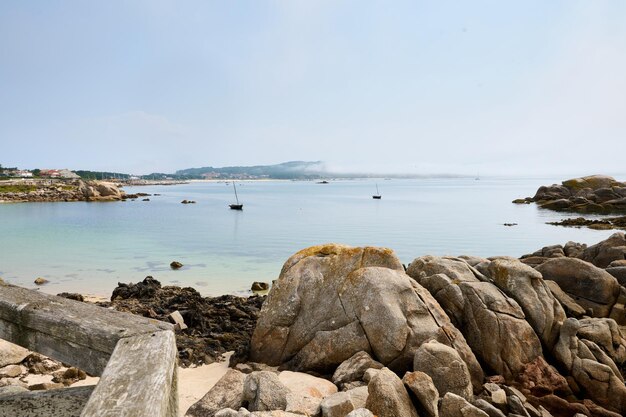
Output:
(90, 247)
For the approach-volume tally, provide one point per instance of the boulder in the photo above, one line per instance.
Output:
(107, 189)
(571, 307)
(485, 315)
(552, 192)
(603, 253)
(342, 403)
(260, 286)
(541, 378)
(332, 301)
(388, 397)
(226, 393)
(11, 354)
(592, 370)
(453, 405)
(176, 265)
(263, 391)
(590, 286)
(423, 388)
(606, 334)
(446, 368)
(593, 182)
(526, 286)
(457, 269)
(352, 369)
(305, 392)
(619, 272)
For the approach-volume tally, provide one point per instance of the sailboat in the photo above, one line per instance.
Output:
(236, 206)
(377, 196)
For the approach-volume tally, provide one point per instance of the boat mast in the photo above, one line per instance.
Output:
(377, 193)
(235, 188)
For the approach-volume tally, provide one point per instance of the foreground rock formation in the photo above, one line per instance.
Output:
(592, 194)
(467, 336)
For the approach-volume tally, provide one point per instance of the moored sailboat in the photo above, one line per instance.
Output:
(237, 206)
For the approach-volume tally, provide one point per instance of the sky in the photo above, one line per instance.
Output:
(423, 87)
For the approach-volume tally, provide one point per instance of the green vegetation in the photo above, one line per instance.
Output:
(100, 175)
(17, 188)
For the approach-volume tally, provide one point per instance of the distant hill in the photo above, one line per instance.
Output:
(286, 170)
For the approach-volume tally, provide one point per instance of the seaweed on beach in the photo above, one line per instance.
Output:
(215, 324)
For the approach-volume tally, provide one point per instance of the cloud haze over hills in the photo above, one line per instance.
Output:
(526, 88)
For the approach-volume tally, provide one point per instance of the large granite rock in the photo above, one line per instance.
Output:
(332, 301)
(485, 315)
(593, 371)
(226, 393)
(388, 397)
(526, 286)
(446, 368)
(590, 286)
(603, 253)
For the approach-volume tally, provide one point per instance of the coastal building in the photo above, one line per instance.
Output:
(58, 173)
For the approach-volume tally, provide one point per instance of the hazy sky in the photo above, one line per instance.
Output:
(500, 87)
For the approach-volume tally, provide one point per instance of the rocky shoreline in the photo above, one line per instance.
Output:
(592, 194)
(38, 191)
(349, 331)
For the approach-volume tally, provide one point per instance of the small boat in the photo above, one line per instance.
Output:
(322, 182)
(236, 206)
(377, 196)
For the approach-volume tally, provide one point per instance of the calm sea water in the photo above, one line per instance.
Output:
(90, 247)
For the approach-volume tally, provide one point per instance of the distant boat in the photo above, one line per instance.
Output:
(477, 177)
(236, 206)
(323, 182)
(377, 196)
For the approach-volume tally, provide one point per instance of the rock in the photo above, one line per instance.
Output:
(69, 376)
(485, 315)
(11, 371)
(571, 307)
(516, 406)
(305, 392)
(422, 386)
(176, 318)
(360, 412)
(619, 272)
(176, 265)
(606, 334)
(226, 393)
(457, 269)
(388, 397)
(593, 371)
(558, 406)
(11, 354)
(107, 189)
(263, 391)
(342, 403)
(526, 286)
(260, 286)
(488, 408)
(274, 413)
(446, 368)
(227, 412)
(593, 182)
(453, 405)
(606, 251)
(352, 369)
(360, 299)
(617, 263)
(71, 296)
(552, 192)
(39, 364)
(590, 286)
(41, 281)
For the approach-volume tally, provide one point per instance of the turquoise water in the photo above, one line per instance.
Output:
(89, 247)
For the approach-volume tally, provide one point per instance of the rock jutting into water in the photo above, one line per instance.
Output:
(597, 224)
(61, 190)
(593, 194)
(451, 336)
